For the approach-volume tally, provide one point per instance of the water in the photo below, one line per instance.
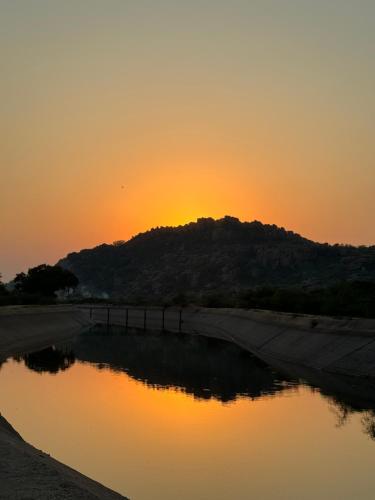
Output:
(162, 416)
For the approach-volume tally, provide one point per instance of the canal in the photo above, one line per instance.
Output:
(167, 416)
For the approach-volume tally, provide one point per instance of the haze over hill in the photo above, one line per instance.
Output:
(223, 255)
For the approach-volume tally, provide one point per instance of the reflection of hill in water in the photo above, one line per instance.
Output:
(200, 366)
(346, 395)
(206, 368)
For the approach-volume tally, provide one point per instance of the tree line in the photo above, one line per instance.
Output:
(41, 284)
(346, 298)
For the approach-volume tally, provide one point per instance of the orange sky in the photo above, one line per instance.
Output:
(202, 109)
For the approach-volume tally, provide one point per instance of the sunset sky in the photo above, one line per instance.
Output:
(117, 116)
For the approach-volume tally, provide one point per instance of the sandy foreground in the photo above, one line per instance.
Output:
(25, 472)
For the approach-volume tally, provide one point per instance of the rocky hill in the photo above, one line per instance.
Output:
(223, 255)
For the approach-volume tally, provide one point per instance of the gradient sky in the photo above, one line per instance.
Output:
(119, 115)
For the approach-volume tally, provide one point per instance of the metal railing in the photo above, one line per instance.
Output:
(162, 318)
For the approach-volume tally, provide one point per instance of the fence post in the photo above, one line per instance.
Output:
(108, 309)
(163, 320)
(180, 321)
(127, 318)
(144, 319)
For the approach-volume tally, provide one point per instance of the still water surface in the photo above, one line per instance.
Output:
(162, 416)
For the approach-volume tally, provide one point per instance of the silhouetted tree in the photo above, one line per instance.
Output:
(49, 360)
(45, 280)
(3, 290)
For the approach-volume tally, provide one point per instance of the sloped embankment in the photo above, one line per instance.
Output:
(345, 346)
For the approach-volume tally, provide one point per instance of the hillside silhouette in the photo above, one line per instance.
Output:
(222, 256)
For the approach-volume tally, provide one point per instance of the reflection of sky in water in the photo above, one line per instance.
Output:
(145, 416)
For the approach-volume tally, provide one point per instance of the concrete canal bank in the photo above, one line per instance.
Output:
(26, 472)
(343, 346)
(25, 328)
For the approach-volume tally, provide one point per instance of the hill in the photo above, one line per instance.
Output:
(223, 255)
